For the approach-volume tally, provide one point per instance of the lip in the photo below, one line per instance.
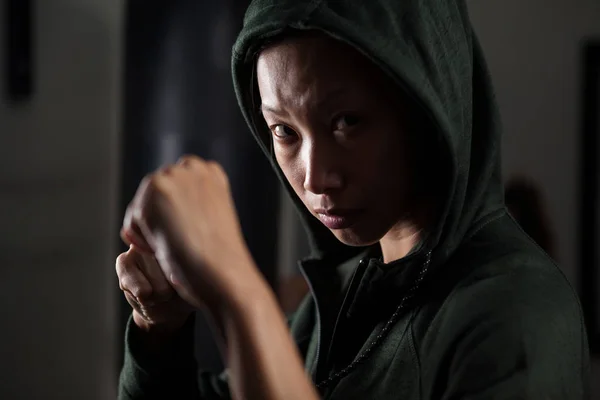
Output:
(338, 218)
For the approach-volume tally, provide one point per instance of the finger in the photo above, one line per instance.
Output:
(131, 279)
(165, 169)
(138, 308)
(217, 171)
(151, 269)
(198, 166)
(189, 160)
(132, 301)
(134, 238)
(140, 217)
(130, 231)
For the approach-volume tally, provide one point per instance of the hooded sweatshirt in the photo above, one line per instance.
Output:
(477, 310)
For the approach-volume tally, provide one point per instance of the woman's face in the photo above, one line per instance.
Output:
(340, 136)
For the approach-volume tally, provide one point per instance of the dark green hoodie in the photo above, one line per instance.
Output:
(493, 317)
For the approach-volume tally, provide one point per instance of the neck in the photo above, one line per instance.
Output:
(399, 242)
(407, 233)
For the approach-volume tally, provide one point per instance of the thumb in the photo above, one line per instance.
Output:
(131, 237)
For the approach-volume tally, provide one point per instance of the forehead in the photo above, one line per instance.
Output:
(311, 48)
(311, 65)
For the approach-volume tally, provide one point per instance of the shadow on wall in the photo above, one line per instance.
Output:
(525, 203)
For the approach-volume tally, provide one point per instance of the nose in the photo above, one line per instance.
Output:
(322, 168)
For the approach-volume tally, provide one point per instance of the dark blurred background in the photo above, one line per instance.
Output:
(97, 93)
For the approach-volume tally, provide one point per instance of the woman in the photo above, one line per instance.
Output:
(380, 120)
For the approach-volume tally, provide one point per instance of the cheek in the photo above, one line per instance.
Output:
(385, 169)
(293, 171)
(382, 161)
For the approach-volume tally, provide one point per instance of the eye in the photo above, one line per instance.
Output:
(345, 122)
(282, 131)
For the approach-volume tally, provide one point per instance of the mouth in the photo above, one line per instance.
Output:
(338, 218)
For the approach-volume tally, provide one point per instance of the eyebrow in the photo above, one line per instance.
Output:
(328, 98)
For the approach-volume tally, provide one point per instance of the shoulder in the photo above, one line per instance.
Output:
(501, 273)
(513, 287)
(516, 288)
(513, 322)
(511, 314)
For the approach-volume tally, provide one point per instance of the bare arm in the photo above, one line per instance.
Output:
(262, 358)
(185, 216)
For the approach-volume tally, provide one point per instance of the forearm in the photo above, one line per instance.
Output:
(261, 355)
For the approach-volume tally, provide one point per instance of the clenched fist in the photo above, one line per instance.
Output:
(185, 217)
(156, 305)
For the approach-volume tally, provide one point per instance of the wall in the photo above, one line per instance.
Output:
(533, 49)
(58, 169)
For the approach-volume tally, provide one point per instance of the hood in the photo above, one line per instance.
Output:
(429, 49)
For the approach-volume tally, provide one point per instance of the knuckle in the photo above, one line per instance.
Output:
(189, 159)
(218, 170)
(160, 188)
(155, 183)
(192, 163)
(121, 263)
(146, 180)
(164, 170)
(141, 292)
(146, 206)
(132, 282)
(151, 185)
(144, 197)
(213, 164)
(126, 283)
(143, 213)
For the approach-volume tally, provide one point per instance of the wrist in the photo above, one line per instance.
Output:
(235, 279)
(240, 310)
(244, 292)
